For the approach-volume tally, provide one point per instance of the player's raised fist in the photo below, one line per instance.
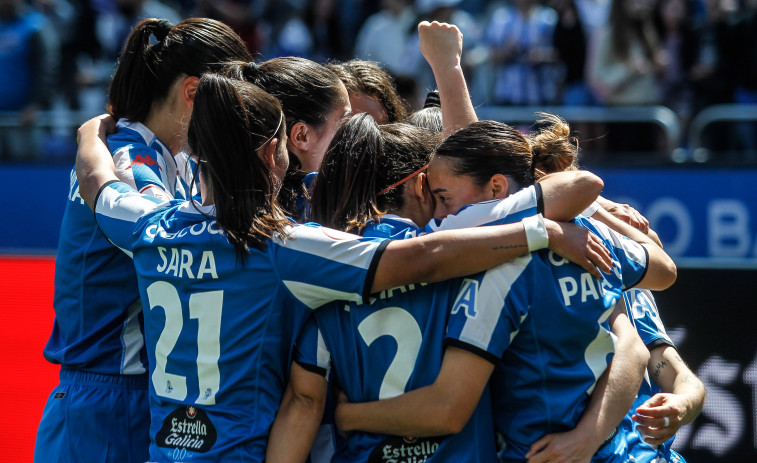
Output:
(441, 44)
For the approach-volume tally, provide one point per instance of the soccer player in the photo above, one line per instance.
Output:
(227, 284)
(99, 411)
(369, 169)
(539, 325)
(315, 101)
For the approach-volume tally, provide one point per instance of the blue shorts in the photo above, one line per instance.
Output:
(95, 418)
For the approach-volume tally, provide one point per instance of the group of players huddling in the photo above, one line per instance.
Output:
(474, 299)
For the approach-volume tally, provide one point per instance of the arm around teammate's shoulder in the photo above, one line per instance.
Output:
(94, 163)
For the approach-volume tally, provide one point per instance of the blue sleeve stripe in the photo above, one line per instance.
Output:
(371, 275)
(539, 199)
(659, 342)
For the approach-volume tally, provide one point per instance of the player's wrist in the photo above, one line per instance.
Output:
(537, 235)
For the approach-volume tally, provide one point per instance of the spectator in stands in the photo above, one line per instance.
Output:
(383, 35)
(521, 38)
(114, 26)
(570, 43)
(627, 56)
(29, 55)
(414, 66)
(626, 61)
(243, 16)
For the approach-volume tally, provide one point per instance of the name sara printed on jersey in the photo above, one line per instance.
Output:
(180, 262)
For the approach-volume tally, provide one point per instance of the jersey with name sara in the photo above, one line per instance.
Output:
(98, 321)
(220, 333)
(542, 321)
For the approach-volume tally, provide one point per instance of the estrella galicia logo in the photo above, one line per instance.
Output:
(187, 427)
(397, 449)
(466, 298)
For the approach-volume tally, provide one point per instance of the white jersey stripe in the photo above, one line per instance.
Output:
(494, 289)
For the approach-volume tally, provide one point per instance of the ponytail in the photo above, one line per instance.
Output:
(553, 148)
(147, 69)
(231, 120)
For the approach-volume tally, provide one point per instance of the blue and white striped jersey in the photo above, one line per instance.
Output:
(98, 321)
(220, 333)
(543, 322)
(642, 310)
(388, 347)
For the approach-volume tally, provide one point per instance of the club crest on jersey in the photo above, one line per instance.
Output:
(397, 449)
(187, 427)
(466, 298)
(142, 161)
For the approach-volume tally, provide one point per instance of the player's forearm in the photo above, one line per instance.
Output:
(457, 108)
(448, 254)
(567, 194)
(617, 387)
(419, 413)
(672, 375)
(296, 424)
(94, 163)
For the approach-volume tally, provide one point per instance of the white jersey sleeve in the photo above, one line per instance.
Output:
(341, 266)
(514, 208)
(118, 207)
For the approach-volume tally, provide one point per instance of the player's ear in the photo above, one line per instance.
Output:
(497, 185)
(267, 153)
(300, 136)
(189, 90)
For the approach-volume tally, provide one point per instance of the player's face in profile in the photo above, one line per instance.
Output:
(342, 110)
(362, 103)
(452, 191)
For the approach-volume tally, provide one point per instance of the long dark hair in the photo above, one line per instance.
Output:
(147, 69)
(363, 160)
(308, 92)
(231, 121)
(486, 148)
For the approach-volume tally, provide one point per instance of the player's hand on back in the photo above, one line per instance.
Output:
(580, 246)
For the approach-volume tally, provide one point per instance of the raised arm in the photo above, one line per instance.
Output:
(610, 401)
(94, 163)
(442, 408)
(680, 402)
(442, 46)
(298, 418)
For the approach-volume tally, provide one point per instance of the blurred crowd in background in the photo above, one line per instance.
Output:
(683, 54)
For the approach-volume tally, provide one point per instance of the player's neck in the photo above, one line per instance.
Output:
(169, 127)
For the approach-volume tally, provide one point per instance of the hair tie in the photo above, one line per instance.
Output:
(432, 100)
(162, 28)
(251, 70)
(394, 185)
